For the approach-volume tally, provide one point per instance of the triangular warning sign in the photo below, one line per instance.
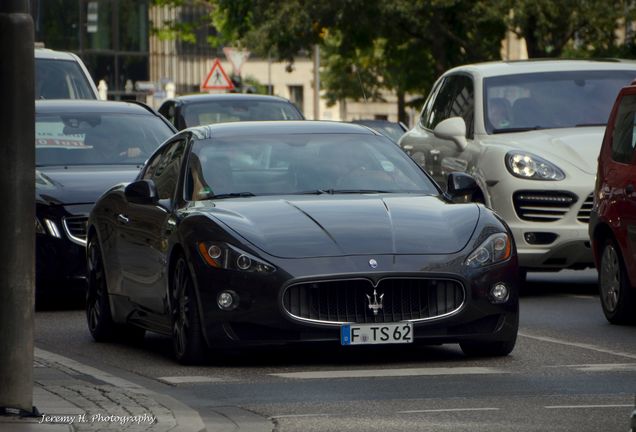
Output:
(217, 78)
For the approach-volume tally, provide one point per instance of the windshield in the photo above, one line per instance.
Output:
(514, 103)
(61, 79)
(196, 114)
(96, 139)
(301, 164)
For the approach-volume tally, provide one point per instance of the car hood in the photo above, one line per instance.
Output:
(578, 147)
(299, 227)
(79, 184)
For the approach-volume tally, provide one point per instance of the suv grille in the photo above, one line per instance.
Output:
(586, 209)
(346, 300)
(540, 206)
(75, 228)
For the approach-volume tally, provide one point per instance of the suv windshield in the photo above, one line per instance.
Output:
(301, 164)
(60, 79)
(201, 113)
(514, 103)
(96, 139)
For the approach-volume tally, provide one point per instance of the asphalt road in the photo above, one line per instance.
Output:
(570, 371)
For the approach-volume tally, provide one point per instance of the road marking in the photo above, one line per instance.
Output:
(380, 373)
(297, 415)
(578, 345)
(606, 367)
(587, 406)
(189, 379)
(447, 410)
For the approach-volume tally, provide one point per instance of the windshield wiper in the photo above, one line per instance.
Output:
(355, 191)
(518, 129)
(231, 195)
(590, 124)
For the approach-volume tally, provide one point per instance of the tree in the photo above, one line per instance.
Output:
(572, 28)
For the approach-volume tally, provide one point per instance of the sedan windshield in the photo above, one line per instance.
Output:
(202, 113)
(517, 103)
(301, 164)
(96, 139)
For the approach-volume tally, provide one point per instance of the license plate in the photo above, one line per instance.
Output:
(368, 334)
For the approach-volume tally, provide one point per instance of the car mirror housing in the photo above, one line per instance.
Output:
(454, 129)
(461, 184)
(141, 192)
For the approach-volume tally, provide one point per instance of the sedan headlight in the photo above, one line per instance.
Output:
(39, 229)
(496, 248)
(532, 167)
(225, 256)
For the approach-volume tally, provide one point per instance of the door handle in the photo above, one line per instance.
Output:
(122, 219)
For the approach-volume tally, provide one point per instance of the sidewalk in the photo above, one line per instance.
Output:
(72, 397)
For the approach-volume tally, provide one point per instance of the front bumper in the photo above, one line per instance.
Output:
(571, 245)
(261, 318)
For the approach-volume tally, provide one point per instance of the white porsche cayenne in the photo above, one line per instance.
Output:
(530, 133)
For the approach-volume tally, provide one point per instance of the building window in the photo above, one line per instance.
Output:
(296, 96)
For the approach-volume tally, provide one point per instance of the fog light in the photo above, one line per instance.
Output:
(227, 300)
(499, 293)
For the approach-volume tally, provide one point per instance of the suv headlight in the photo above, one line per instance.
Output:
(225, 256)
(529, 166)
(495, 249)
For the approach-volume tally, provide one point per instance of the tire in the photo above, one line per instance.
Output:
(618, 299)
(187, 334)
(488, 349)
(98, 315)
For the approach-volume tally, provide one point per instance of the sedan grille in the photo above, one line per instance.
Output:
(75, 228)
(540, 206)
(586, 209)
(349, 300)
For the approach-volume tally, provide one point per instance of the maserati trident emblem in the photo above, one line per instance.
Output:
(373, 263)
(375, 303)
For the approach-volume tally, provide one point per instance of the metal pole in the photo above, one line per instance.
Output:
(316, 82)
(17, 221)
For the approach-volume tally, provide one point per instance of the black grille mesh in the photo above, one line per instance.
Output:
(347, 301)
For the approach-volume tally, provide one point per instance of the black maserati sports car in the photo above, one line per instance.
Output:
(258, 233)
(82, 147)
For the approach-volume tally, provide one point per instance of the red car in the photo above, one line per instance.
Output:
(613, 218)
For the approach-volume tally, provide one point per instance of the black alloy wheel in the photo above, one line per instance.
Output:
(187, 335)
(617, 297)
(98, 316)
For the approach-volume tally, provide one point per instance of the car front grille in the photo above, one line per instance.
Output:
(75, 228)
(341, 301)
(586, 209)
(542, 206)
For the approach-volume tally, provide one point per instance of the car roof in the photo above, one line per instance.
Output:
(278, 127)
(89, 105)
(543, 65)
(228, 97)
(45, 53)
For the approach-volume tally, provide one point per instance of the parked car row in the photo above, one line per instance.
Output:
(530, 134)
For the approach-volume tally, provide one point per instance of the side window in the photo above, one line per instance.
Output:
(168, 110)
(428, 105)
(624, 134)
(456, 98)
(164, 169)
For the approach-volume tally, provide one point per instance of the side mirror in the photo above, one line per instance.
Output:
(142, 192)
(454, 129)
(461, 184)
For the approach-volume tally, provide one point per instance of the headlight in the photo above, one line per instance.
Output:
(495, 249)
(529, 166)
(225, 256)
(52, 228)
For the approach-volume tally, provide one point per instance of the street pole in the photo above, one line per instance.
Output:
(17, 219)
(316, 82)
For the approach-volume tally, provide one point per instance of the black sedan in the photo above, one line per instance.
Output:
(81, 149)
(278, 232)
(195, 110)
